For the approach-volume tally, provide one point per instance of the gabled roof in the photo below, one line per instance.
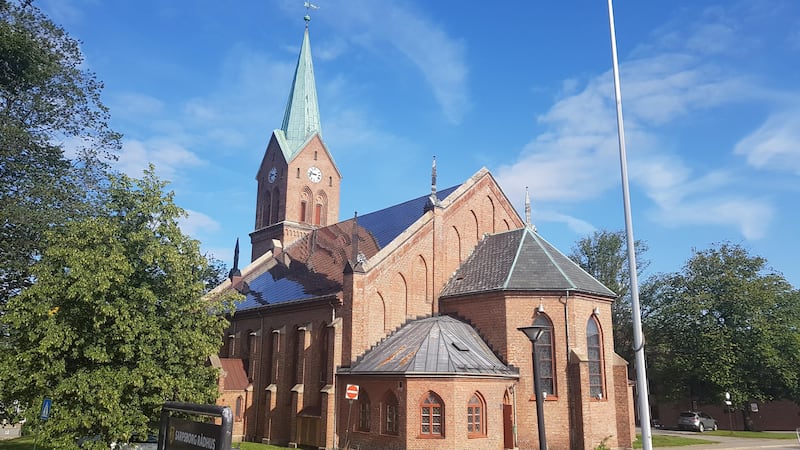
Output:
(520, 260)
(235, 375)
(301, 118)
(434, 346)
(316, 262)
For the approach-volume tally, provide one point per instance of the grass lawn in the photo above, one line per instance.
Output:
(23, 443)
(26, 443)
(754, 434)
(661, 440)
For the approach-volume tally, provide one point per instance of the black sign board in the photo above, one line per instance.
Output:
(188, 435)
(177, 433)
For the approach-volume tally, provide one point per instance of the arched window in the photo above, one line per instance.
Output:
(476, 416)
(238, 409)
(545, 349)
(363, 411)
(323, 354)
(432, 416)
(390, 411)
(594, 345)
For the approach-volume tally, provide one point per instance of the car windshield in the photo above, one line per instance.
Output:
(687, 414)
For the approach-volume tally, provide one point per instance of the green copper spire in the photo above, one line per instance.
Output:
(301, 119)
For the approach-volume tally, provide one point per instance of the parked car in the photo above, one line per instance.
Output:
(697, 421)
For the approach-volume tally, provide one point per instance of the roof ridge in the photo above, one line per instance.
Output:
(514, 263)
(555, 264)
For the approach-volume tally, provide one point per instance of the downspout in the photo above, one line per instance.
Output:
(257, 393)
(332, 364)
(566, 360)
(566, 320)
(514, 402)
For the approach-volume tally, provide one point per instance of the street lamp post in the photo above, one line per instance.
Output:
(534, 333)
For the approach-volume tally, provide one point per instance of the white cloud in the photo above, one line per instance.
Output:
(199, 110)
(576, 158)
(578, 226)
(197, 223)
(775, 145)
(169, 157)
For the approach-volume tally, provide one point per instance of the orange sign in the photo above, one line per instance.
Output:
(351, 393)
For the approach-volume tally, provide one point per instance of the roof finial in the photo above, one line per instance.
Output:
(528, 210)
(354, 237)
(309, 6)
(433, 176)
(433, 199)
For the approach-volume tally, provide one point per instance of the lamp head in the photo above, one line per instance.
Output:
(534, 332)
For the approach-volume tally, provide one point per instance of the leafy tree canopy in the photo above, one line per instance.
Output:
(54, 137)
(115, 324)
(604, 255)
(725, 323)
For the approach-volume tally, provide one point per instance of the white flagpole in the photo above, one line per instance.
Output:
(638, 338)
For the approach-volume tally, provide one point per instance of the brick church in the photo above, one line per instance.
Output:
(398, 329)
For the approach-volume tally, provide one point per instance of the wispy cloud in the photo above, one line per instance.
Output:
(439, 57)
(666, 83)
(197, 223)
(135, 104)
(169, 157)
(775, 145)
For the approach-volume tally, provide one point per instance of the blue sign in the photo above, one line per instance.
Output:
(46, 405)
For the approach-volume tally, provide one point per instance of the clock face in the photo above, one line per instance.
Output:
(273, 174)
(314, 174)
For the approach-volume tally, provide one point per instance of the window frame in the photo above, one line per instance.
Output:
(480, 404)
(596, 360)
(364, 417)
(428, 408)
(545, 345)
(390, 415)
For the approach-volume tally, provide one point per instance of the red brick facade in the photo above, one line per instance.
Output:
(295, 351)
(292, 351)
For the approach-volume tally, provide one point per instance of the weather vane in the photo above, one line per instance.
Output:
(309, 6)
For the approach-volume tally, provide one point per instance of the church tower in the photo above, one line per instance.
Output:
(298, 180)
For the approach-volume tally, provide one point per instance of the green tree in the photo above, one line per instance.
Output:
(49, 105)
(115, 323)
(726, 323)
(604, 255)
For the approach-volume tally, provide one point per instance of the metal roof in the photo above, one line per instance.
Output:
(301, 118)
(520, 260)
(317, 260)
(433, 346)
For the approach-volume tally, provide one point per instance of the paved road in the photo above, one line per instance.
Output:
(732, 443)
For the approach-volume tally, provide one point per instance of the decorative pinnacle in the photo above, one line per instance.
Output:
(528, 210)
(433, 176)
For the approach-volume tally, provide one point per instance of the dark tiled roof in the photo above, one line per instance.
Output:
(385, 225)
(438, 345)
(235, 375)
(318, 259)
(520, 260)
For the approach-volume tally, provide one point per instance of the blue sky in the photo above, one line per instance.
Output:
(710, 90)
